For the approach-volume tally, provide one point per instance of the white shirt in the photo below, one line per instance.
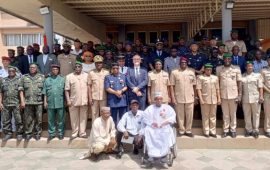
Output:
(74, 52)
(137, 71)
(130, 123)
(3, 73)
(30, 59)
(159, 53)
(123, 70)
(88, 67)
(45, 57)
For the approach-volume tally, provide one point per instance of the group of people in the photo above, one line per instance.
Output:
(93, 80)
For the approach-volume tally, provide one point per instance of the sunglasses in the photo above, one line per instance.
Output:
(78, 66)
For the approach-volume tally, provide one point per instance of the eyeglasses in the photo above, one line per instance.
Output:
(78, 66)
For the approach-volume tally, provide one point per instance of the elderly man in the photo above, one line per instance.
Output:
(76, 91)
(158, 133)
(102, 135)
(130, 126)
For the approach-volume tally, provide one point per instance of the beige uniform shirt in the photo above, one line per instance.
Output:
(159, 82)
(183, 82)
(77, 85)
(96, 80)
(228, 77)
(67, 63)
(241, 44)
(266, 79)
(250, 87)
(209, 86)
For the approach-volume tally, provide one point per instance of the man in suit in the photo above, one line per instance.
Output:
(238, 60)
(158, 54)
(25, 60)
(45, 60)
(137, 79)
(36, 51)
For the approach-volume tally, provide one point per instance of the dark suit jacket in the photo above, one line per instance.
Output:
(46, 69)
(23, 64)
(154, 56)
(140, 81)
(241, 63)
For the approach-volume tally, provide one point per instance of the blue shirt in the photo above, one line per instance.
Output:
(182, 51)
(196, 61)
(117, 82)
(258, 66)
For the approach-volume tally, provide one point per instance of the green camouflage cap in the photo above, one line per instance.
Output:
(227, 55)
(98, 58)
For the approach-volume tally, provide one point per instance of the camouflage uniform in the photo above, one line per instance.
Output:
(10, 94)
(32, 87)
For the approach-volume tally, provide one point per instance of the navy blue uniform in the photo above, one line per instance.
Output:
(196, 61)
(128, 59)
(161, 56)
(215, 62)
(182, 51)
(118, 105)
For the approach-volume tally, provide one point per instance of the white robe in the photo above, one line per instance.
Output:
(159, 140)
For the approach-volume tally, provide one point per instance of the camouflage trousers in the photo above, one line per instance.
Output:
(33, 119)
(7, 113)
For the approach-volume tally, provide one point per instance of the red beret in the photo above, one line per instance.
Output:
(5, 58)
(183, 59)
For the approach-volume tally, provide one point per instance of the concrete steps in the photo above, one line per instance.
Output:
(198, 142)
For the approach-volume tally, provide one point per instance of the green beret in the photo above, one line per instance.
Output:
(33, 64)
(77, 62)
(101, 47)
(249, 62)
(227, 55)
(208, 65)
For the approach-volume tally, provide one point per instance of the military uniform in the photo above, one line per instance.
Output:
(32, 87)
(215, 62)
(77, 85)
(107, 64)
(118, 105)
(196, 61)
(53, 89)
(184, 82)
(230, 44)
(266, 104)
(159, 82)
(171, 63)
(209, 87)
(67, 63)
(99, 95)
(228, 77)
(250, 100)
(206, 50)
(11, 103)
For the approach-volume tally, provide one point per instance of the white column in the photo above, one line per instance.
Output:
(48, 28)
(226, 22)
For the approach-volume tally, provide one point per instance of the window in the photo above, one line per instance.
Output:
(176, 35)
(130, 37)
(22, 39)
(142, 37)
(153, 37)
(164, 35)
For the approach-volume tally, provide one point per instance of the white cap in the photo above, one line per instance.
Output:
(105, 109)
(158, 94)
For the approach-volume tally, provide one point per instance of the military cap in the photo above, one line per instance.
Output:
(20, 47)
(105, 109)
(181, 38)
(115, 64)
(159, 41)
(208, 65)
(66, 43)
(55, 66)
(192, 43)
(100, 47)
(204, 37)
(227, 55)
(12, 68)
(78, 63)
(134, 101)
(5, 58)
(234, 31)
(33, 64)
(120, 57)
(98, 58)
(221, 44)
(249, 62)
(128, 43)
(144, 46)
(183, 59)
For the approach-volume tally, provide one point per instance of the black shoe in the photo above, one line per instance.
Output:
(37, 137)
(213, 135)
(28, 137)
(60, 137)
(205, 135)
(19, 137)
(190, 135)
(247, 134)
(256, 135)
(7, 137)
(225, 134)
(94, 157)
(135, 151)
(50, 138)
(233, 134)
(267, 134)
(119, 155)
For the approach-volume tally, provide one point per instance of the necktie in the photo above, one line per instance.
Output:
(122, 69)
(236, 59)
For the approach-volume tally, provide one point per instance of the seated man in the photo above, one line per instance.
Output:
(158, 133)
(129, 126)
(102, 135)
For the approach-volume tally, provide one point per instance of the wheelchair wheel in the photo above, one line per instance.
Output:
(170, 160)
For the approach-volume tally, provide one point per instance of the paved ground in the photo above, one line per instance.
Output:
(67, 159)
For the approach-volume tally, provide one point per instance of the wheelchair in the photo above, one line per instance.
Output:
(171, 155)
